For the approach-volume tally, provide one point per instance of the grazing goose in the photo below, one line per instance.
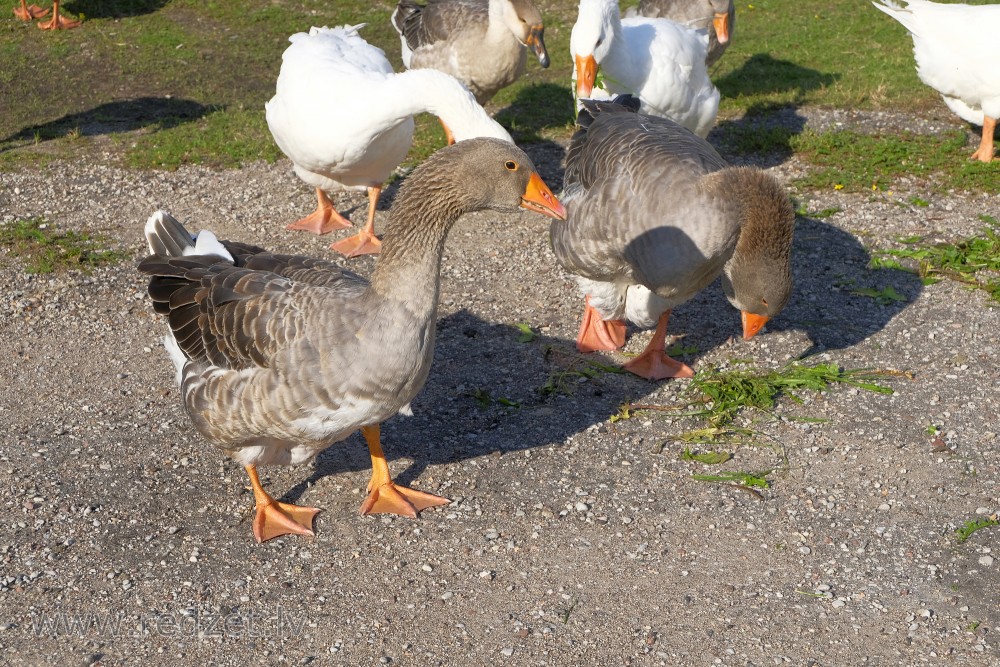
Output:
(655, 214)
(659, 61)
(697, 14)
(280, 356)
(479, 42)
(957, 49)
(345, 120)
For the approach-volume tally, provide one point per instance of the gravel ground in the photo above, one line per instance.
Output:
(572, 539)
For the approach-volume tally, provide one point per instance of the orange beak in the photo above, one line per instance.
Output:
(721, 24)
(538, 198)
(586, 75)
(752, 324)
(536, 43)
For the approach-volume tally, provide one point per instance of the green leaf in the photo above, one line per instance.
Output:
(526, 335)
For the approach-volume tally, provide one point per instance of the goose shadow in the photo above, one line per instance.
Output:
(761, 137)
(159, 113)
(113, 9)
(761, 74)
(488, 393)
(536, 107)
(837, 300)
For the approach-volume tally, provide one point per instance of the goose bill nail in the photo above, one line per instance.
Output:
(537, 197)
(586, 75)
(537, 44)
(752, 324)
(721, 24)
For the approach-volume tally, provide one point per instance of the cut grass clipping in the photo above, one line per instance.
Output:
(723, 395)
(965, 531)
(964, 261)
(46, 250)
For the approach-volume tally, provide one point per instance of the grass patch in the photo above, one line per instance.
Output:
(855, 161)
(720, 397)
(964, 261)
(727, 393)
(226, 56)
(46, 250)
(965, 531)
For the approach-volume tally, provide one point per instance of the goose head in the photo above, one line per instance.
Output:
(525, 22)
(596, 26)
(757, 279)
(720, 19)
(486, 173)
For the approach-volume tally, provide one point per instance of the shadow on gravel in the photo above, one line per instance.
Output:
(113, 117)
(838, 300)
(110, 9)
(490, 394)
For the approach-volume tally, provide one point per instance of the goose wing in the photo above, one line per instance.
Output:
(240, 316)
(437, 21)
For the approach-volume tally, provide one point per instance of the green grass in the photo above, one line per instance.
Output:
(206, 69)
(855, 162)
(44, 249)
(966, 530)
(965, 261)
(726, 394)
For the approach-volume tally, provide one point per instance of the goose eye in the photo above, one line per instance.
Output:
(764, 301)
(511, 165)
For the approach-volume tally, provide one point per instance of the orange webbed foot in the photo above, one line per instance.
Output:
(28, 12)
(58, 23)
(391, 498)
(361, 243)
(276, 519)
(320, 222)
(655, 365)
(597, 334)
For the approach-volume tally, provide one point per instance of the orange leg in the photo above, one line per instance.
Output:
(653, 363)
(985, 151)
(447, 133)
(323, 220)
(28, 12)
(364, 242)
(57, 22)
(597, 334)
(273, 518)
(386, 497)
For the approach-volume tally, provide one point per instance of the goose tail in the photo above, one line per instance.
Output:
(167, 236)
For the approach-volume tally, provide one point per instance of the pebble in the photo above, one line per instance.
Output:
(986, 561)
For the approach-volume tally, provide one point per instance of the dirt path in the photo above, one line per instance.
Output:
(572, 539)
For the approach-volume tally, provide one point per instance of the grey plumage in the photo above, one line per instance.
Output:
(652, 205)
(460, 37)
(280, 356)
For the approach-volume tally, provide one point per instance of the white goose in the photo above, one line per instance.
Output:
(657, 60)
(957, 49)
(345, 120)
(716, 16)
